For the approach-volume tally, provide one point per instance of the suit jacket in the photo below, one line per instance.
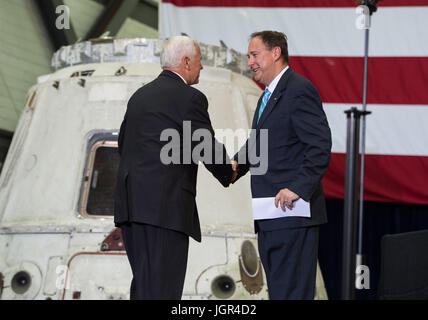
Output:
(148, 191)
(299, 148)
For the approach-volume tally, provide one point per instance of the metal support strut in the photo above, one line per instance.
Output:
(350, 219)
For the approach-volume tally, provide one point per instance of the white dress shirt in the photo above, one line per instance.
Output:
(275, 81)
(179, 76)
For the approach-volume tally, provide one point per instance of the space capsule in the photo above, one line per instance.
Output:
(57, 236)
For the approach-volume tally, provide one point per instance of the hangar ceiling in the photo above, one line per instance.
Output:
(29, 38)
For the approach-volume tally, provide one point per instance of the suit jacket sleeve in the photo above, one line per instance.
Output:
(310, 124)
(243, 163)
(121, 135)
(217, 161)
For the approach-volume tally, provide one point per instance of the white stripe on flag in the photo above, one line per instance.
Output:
(391, 129)
(396, 31)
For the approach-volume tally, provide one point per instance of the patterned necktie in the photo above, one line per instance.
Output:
(264, 102)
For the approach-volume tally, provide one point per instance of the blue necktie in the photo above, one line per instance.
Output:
(264, 102)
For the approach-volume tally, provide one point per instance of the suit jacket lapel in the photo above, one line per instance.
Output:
(256, 113)
(277, 93)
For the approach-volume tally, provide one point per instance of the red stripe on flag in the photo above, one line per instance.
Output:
(391, 80)
(290, 3)
(387, 178)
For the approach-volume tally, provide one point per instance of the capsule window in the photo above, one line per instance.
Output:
(5, 140)
(99, 179)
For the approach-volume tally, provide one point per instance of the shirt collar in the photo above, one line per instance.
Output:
(179, 76)
(275, 81)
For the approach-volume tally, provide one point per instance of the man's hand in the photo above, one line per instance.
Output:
(285, 198)
(235, 170)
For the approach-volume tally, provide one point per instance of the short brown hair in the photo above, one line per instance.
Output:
(273, 39)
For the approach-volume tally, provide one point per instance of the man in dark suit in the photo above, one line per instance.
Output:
(155, 193)
(298, 154)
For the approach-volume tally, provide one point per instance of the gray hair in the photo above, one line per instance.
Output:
(174, 49)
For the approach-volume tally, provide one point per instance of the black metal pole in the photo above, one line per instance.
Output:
(350, 205)
(360, 257)
(371, 5)
(350, 218)
(353, 218)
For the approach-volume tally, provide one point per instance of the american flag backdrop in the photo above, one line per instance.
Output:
(326, 47)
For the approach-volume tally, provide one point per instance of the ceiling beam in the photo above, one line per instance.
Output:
(58, 33)
(147, 13)
(112, 18)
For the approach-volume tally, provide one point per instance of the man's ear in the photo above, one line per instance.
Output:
(276, 53)
(185, 61)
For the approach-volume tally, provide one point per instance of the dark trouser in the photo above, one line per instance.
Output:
(289, 257)
(158, 259)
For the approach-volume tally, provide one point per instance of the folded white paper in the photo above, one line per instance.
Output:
(264, 208)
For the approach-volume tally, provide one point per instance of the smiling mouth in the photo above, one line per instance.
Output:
(255, 69)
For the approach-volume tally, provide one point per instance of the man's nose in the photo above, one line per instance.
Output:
(250, 62)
